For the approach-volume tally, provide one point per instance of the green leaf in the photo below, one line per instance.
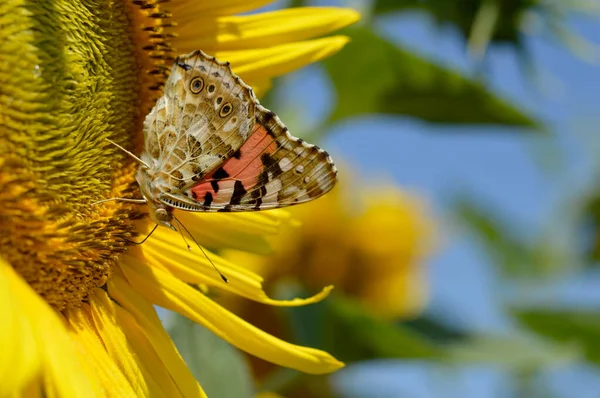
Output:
(364, 336)
(488, 22)
(287, 382)
(506, 250)
(511, 253)
(518, 352)
(464, 15)
(220, 368)
(373, 76)
(436, 329)
(380, 338)
(588, 230)
(576, 328)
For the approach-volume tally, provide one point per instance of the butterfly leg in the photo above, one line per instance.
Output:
(146, 238)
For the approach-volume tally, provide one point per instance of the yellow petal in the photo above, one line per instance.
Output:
(97, 361)
(149, 359)
(266, 63)
(47, 338)
(184, 10)
(33, 390)
(169, 292)
(116, 343)
(193, 267)
(262, 30)
(242, 231)
(146, 317)
(20, 355)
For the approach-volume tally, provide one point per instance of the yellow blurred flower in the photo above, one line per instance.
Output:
(373, 249)
(78, 300)
(392, 237)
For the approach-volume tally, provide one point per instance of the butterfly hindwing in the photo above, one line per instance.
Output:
(272, 169)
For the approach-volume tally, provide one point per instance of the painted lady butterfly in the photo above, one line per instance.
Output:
(210, 146)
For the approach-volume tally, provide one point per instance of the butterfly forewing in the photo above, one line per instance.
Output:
(204, 116)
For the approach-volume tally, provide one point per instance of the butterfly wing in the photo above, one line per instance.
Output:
(204, 116)
(271, 169)
(213, 147)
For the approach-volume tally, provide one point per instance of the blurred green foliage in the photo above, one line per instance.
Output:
(579, 329)
(220, 368)
(514, 254)
(375, 76)
(481, 22)
(517, 353)
(364, 337)
(484, 23)
(589, 229)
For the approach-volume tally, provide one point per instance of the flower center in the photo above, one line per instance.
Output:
(71, 76)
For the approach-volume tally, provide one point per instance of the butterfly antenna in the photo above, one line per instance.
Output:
(201, 249)
(129, 153)
(183, 237)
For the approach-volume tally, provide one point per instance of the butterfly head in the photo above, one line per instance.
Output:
(162, 215)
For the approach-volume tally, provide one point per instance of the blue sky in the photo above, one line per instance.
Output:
(499, 166)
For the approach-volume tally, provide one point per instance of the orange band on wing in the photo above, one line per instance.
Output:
(242, 169)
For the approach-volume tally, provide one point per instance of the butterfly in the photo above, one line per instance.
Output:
(209, 146)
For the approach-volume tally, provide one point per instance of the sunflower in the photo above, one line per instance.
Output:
(77, 297)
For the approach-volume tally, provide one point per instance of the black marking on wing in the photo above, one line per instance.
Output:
(183, 65)
(265, 120)
(257, 195)
(218, 175)
(238, 192)
(208, 198)
(271, 164)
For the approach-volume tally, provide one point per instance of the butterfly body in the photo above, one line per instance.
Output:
(210, 146)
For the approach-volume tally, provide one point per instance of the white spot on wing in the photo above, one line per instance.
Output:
(273, 187)
(285, 164)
